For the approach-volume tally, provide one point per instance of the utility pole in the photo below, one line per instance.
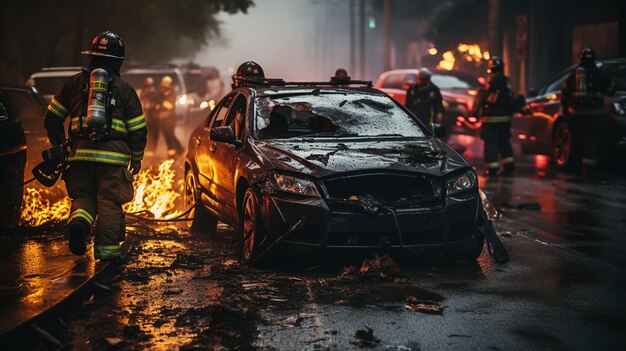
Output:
(352, 39)
(386, 36)
(495, 27)
(362, 25)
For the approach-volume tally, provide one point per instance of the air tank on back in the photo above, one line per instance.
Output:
(97, 98)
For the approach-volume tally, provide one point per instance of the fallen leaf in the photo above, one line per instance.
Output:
(230, 262)
(428, 308)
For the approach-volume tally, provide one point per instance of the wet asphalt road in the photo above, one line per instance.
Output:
(563, 289)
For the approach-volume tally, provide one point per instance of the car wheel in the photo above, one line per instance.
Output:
(252, 229)
(11, 200)
(566, 153)
(469, 254)
(203, 221)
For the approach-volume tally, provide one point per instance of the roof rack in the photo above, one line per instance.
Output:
(67, 68)
(278, 82)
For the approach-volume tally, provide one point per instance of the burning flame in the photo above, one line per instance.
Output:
(467, 52)
(38, 210)
(447, 62)
(155, 193)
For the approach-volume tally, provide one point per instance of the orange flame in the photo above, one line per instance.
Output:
(38, 210)
(155, 193)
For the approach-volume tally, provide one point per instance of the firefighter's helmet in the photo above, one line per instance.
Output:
(495, 64)
(249, 71)
(106, 44)
(167, 82)
(587, 54)
(341, 75)
(424, 74)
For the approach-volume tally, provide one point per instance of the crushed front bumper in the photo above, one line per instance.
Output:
(318, 224)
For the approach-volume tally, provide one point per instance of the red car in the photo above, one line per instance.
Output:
(458, 90)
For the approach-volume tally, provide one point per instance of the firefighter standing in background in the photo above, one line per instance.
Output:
(494, 107)
(149, 98)
(165, 111)
(107, 139)
(583, 103)
(424, 99)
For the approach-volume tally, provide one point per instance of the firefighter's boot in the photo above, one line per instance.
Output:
(79, 230)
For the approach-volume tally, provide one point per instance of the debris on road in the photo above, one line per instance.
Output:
(382, 264)
(414, 304)
(365, 338)
(113, 341)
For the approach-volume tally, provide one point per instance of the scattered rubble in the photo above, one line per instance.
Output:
(365, 338)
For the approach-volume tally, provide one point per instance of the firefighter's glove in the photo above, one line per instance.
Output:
(135, 167)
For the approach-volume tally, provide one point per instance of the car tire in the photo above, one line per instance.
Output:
(252, 229)
(566, 151)
(470, 254)
(203, 221)
(12, 167)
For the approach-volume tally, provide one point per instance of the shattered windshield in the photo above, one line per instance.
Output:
(332, 114)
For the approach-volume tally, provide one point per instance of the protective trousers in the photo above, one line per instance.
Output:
(498, 149)
(167, 126)
(98, 191)
(587, 131)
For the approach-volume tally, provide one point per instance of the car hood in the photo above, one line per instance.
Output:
(322, 158)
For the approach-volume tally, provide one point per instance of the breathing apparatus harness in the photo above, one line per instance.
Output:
(98, 103)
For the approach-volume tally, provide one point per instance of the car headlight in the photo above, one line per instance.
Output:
(464, 182)
(619, 109)
(294, 185)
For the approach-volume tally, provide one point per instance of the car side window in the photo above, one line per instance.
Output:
(236, 116)
(220, 112)
(409, 78)
(394, 81)
(556, 85)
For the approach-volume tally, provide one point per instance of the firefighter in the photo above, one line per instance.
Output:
(494, 106)
(149, 98)
(248, 72)
(423, 98)
(107, 133)
(165, 110)
(582, 99)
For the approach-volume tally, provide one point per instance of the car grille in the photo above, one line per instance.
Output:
(397, 191)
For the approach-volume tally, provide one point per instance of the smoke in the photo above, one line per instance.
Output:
(294, 40)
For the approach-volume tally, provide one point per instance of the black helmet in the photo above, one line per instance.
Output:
(587, 54)
(424, 74)
(250, 71)
(106, 44)
(341, 75)
(495, 64)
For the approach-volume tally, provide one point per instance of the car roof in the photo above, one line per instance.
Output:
(151, 70)
(17, 87)
(278, 90)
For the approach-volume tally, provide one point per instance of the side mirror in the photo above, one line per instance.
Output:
(532, 92)
(224, 134)
(439, 130)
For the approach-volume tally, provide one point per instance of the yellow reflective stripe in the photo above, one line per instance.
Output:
(492, 165)
(496, 119)
(119, 126)
(107, 251)
(507, 160)
(56, 112)
(137, 155)
(80, 213)
(102, 156)
(59, 106)
(168, 105)
(136, 123)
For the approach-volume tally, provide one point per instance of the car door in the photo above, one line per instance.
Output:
(545, 109)
(393, 85)
(226, 157)
(205, 157)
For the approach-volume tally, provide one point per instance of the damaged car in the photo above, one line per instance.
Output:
(316, 166)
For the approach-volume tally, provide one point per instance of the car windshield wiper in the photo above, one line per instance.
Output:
(327, 134)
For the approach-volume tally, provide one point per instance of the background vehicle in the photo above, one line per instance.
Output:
(29, 108)
(136, 76)
(50, 79)
(458, 90)
(324, 167)
(12, 161)
(546, 129)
